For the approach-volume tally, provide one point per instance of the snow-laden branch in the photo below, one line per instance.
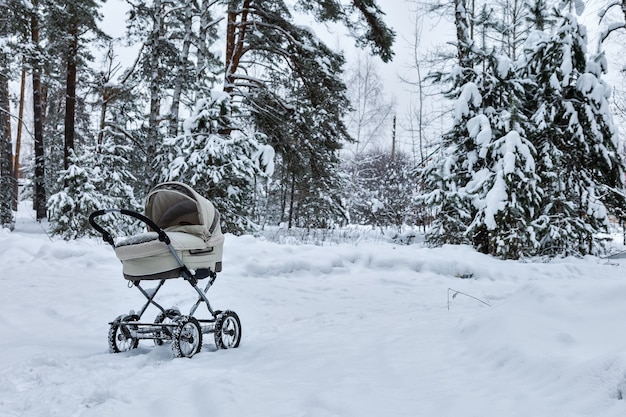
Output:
(610, 29)
(603, 12)
(128, 136)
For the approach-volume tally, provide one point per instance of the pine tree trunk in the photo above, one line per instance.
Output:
(463, 36)
(231, 22)
(70, 98)
(39, 200)
(6, 173)
(235, 41)
(235, 37)
(291, 199)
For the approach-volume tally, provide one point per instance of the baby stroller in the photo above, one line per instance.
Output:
(184, 240)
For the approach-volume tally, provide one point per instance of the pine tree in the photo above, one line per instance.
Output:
(452, 168)
(505, 190)
(174, 69)
(37, 61)
(221, 167)
(97, 179)
(21, 22)
(576, 141)
(6, 172)
(122, 117)
(148, 23)
(70, 28)
(484, 186)
(296, 97)
(445, 179)
(363, 18)
(7, 196)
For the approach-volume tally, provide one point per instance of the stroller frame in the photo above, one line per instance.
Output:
(183, 331)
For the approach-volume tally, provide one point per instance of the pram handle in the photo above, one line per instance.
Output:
(106, 236)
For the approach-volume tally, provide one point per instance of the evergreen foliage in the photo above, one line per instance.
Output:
(504, 187)
(307, 141)
(451, 169)
(174, 69)
(296, 97)
(70, 28)
(445, 179)
(288, 86)
(97, 179)
(575, 136)
(363, 18)
(221, 167)
(530, 166)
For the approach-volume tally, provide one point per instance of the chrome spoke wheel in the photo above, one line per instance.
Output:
(227, 330)
(187, 337)
(169, 317)
(120, 338)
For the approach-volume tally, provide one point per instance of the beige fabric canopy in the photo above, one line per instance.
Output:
(175, 206)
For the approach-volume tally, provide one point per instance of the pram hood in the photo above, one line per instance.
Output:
(175, 206)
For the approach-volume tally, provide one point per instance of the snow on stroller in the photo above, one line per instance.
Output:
(184, 240)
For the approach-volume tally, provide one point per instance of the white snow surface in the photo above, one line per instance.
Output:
(341, 330)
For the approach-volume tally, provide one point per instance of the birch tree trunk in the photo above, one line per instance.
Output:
(18, 138)
(156, 77)
(180, 78)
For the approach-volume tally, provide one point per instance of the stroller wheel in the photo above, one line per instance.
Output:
(168, 317)
(120, 339)
(227, 330)
(187, 337)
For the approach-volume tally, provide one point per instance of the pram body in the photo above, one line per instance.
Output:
(183, 240)
(193, 226)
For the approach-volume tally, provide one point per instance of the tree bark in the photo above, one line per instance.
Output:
(39, 200)
(292, 200)
(103, 115)
(180, 79)
(154, 118)
(235, 41)
(463, 36)
(6, 177)
(70, 97)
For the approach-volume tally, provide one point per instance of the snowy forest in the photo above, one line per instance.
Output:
(257, 113)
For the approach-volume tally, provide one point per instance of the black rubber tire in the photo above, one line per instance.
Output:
(227, 330)
(169, 316)
(187, 337)
(118, 340)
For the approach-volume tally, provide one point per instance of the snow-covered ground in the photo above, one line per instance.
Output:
(372, 329)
